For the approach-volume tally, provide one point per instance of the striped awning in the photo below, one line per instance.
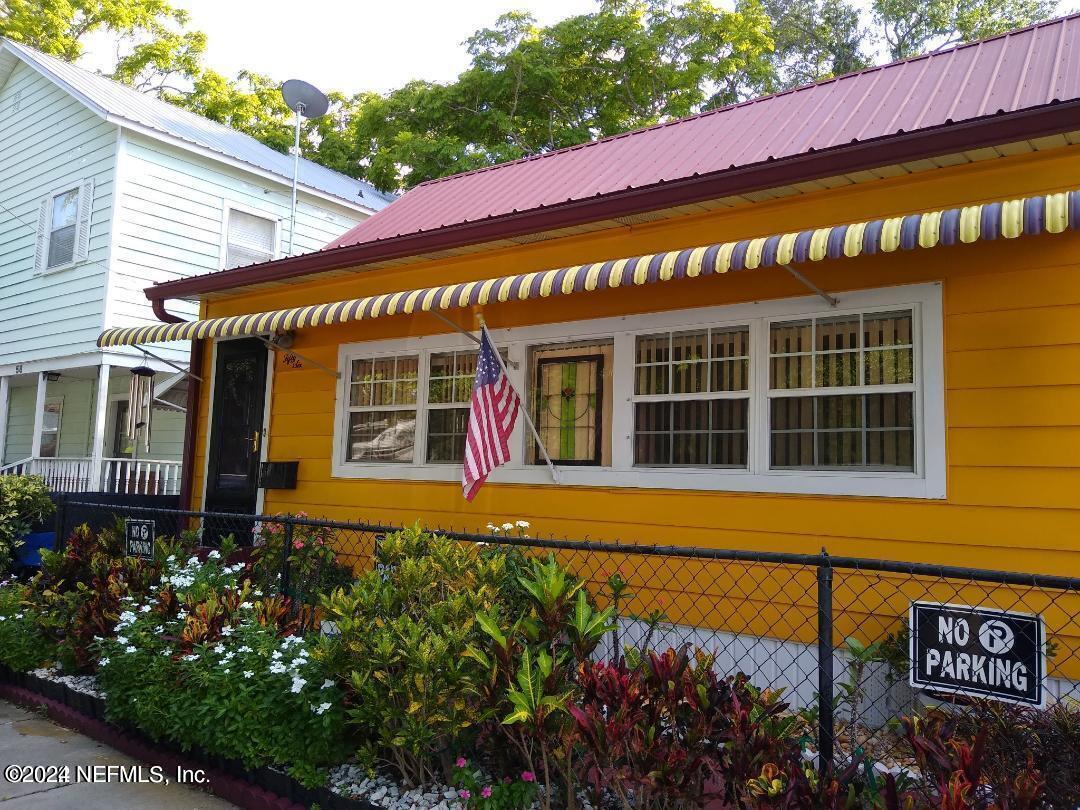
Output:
(1008, 219)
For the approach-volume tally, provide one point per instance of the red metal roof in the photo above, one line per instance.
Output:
(1011, 87)
(1020, 70)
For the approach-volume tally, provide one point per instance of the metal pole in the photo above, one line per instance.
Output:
(295, 176)
(286, 549)
(825, 662)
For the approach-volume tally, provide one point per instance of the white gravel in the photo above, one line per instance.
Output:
(353, 782)
(87, 684)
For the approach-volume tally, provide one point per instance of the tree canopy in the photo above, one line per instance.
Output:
(528, 88)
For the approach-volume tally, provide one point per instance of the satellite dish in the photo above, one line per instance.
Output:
(304, 98)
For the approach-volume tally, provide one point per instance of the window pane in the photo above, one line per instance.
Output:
(691, 433)
(61, 246)
(651, 380)
(889, 366)
(381, 436)
(790, 338)
(452, 376)
(837, 369)
(887, 329)
(65, 209)
(837, 334)
(446, 434)
(653, 349)
(793, 371)
(866, 431)
(690, 378)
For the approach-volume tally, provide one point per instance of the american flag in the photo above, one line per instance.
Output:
(492, 413)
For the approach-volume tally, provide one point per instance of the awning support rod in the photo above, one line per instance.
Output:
(181, 369)
(810, 285)
(274, 347)
(467, 333)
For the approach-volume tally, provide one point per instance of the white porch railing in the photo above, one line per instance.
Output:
(122, 475)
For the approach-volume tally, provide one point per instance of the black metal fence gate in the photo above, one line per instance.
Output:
(832, 632)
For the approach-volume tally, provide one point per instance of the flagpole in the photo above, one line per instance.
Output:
(524, 405)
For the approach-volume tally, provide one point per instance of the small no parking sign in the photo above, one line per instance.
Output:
(982, 652)
(139, 538)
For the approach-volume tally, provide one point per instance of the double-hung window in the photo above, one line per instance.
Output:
(692, 398)
(249, 239)
(773, 396)
(63, 233)
(842, 393)
(382, 409)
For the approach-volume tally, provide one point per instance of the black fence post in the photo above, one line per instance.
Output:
(826, 730)
(60, 526)
(286, 547)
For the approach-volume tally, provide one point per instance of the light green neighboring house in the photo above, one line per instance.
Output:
(105, 191)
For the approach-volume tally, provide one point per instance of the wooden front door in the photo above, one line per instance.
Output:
(236, 426)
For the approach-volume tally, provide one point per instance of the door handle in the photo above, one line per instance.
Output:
(254, 439)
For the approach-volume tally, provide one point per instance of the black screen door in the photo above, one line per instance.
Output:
(236, 426)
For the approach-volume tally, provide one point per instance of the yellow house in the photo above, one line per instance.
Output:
(847, 315)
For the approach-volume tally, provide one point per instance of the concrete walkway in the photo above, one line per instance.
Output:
(28, 739)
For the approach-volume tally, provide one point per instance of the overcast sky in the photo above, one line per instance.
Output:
(348, 45)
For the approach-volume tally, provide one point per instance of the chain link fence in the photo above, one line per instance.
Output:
(834, 633)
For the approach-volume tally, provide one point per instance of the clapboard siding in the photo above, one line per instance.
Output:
(171, 217)
(1012, 385)
(50, 141)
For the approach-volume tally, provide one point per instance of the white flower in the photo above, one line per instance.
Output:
(276, 654)
(171, 558)
(277, 668)
(245, 605)
(297, 684)
(227, 631)
(321, 708)
(226, 671)
(193, 561)
(165, 653)
(121, 640)
(491, 527)
(522, 524)
(129, 649)
(127, 617)
(104, 662)
(244, 649)
(190, 657)
(218, 647)
(507, 527)
(214, 555)
(182, 614)
(248, 673)
(145, 609)
(327, 683)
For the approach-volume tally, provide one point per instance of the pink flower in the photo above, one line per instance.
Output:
(298, 543)
(464, 794)
(507, 780)
(486, 792)
(528, 776)
(461, 762)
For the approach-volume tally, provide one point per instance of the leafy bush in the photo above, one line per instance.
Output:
(209, 661)
(24, 503)
(22, 645)
(404, 628)
(77, 595)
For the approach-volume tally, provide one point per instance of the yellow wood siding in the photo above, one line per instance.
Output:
(1012, 377)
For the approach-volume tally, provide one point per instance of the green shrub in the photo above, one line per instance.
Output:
(77, 596)
(24, 503)
(22, 645)
(404, 630)
(210, 662)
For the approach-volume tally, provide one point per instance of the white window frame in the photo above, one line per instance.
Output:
(81, 244)
(926, 481)
(230, 206)
(58, 400)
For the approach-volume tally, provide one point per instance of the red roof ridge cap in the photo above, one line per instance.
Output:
(756, 100)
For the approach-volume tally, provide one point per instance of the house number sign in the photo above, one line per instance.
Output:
(139, 538)
(982, 652)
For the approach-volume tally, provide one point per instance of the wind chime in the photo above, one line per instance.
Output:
(140, 407)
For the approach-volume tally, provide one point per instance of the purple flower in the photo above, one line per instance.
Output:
(485, 792)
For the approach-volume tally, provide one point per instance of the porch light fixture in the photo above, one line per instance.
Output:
(140, 406)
